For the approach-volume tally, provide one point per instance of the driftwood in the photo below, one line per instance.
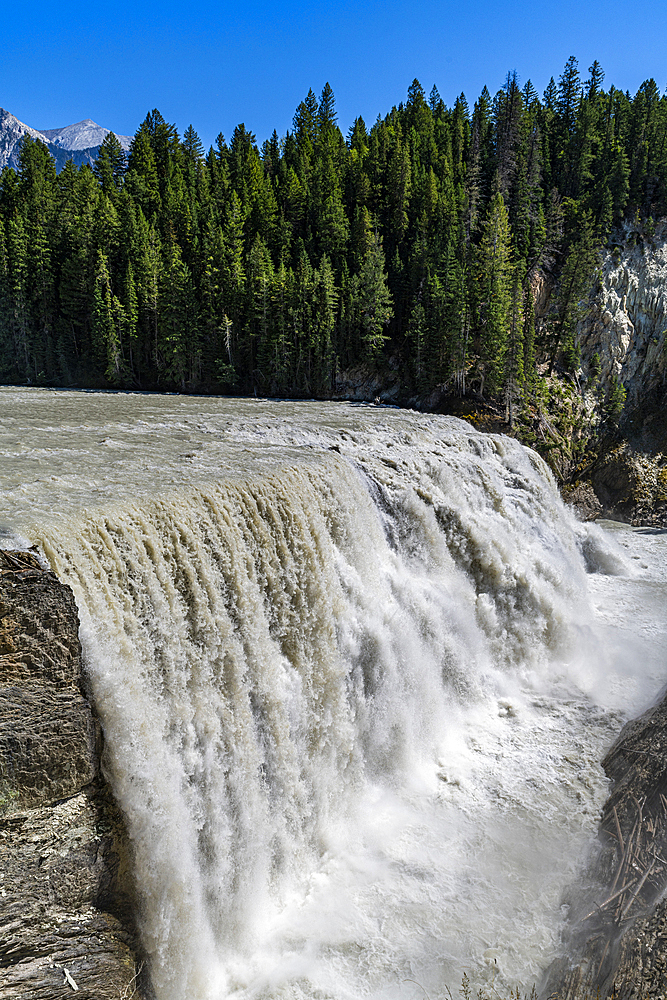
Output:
(21, 565)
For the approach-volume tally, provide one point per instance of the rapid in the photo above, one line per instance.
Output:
(355, 668)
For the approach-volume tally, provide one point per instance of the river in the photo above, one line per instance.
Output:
(356, 669)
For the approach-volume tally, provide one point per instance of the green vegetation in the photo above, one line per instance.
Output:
(8, 797)
(422, 239)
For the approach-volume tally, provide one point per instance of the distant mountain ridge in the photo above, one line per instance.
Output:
(79, 142)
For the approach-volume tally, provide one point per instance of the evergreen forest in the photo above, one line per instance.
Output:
(416, 243)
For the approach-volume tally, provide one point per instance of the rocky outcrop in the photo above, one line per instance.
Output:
(618, 481)
(623, 336)
(66, 897)
(618, 933)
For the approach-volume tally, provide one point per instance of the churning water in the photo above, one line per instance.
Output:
(356, 669)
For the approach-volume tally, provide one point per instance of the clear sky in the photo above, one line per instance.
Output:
(214, 65)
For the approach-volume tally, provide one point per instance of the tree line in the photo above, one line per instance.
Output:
(270, 269)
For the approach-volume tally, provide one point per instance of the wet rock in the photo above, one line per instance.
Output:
(584, 499)
(66, 895)
(631, 485)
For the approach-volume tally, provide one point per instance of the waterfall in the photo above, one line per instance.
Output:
(346, 665)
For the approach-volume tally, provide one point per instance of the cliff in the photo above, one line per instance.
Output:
(66, 897)
(625, 327)
(622, 382)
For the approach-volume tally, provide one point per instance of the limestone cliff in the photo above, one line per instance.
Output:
(626, 328)
(623, 342)
(66, 921)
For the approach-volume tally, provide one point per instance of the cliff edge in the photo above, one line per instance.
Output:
(66, 895)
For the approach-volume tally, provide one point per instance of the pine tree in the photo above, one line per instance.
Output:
(17, 281)
(529, 336)
(142, 175)
(192, 146)
(579, 263)
(43, 301)
(418, 336)
(398, 190)
(302, 322)
(7, 359)
(508, 115)
(108, 322)
(326, 112)
(148, 268)
(514, 363)
(259, 287)
(594, 83)
(232, 270)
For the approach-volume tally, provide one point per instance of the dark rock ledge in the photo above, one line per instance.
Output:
(617, 942)
(66, 895)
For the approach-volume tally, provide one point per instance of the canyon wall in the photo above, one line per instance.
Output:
(622, 338)
(625, 327)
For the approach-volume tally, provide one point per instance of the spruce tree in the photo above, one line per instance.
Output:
(373, 298)
(494, 304)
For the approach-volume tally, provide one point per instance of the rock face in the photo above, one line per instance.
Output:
(66, 895)
(618, 937)
(626, 328)
(623, 343)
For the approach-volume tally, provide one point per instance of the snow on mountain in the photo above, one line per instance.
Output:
(79, 142)
(83, 135)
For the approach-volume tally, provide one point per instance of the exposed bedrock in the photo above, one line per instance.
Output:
(623, 343)
(626, 328)
(66, 901)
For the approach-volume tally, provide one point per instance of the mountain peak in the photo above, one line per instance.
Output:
(80, 141)
(82, 135)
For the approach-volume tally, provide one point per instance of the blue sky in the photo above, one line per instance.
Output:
(214, 65)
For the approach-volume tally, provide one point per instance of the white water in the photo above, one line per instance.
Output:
(354, 681)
